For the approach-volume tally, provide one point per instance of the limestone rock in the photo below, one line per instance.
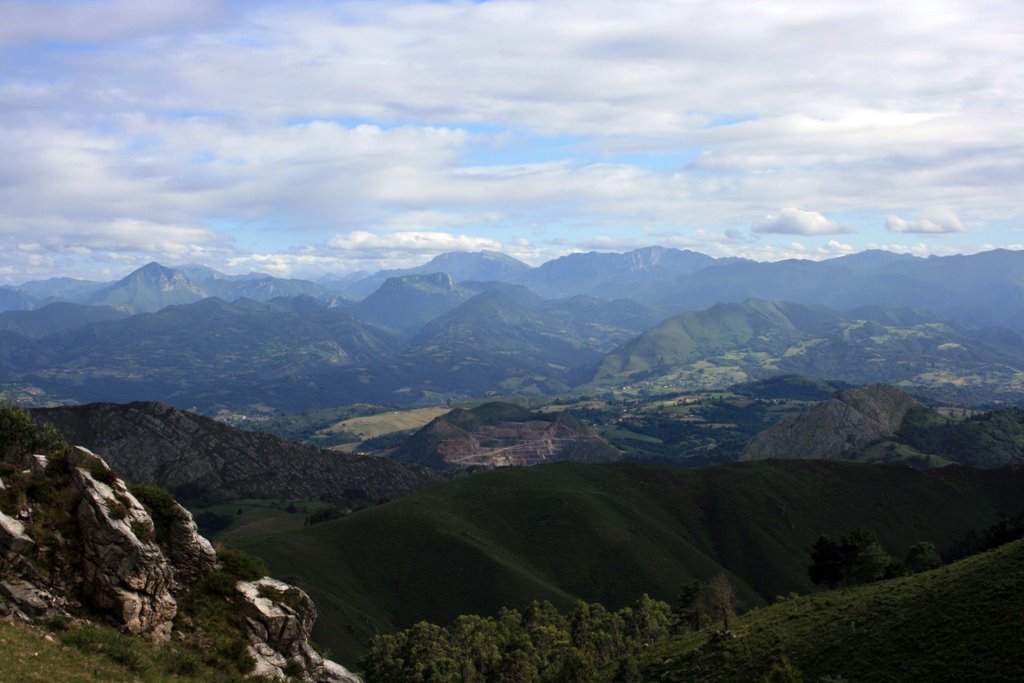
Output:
(191, 554)
(37, 464)
(123, 570)
(30, 601)
(13, 540)
(280, 617)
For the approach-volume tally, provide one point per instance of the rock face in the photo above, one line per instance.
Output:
(191, 554)
(836, 428)
(280, 618)
(134, 564)
(124, 572)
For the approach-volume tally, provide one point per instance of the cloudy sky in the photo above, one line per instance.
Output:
(308, 137)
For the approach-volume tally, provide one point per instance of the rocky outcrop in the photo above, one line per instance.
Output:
(836, 428)
(13, 541)
(124, 571)
(279, 618)
(190, 553)
(135, 561)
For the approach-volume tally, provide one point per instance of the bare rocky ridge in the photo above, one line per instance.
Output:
(111, 555)
(502, 435)
(200, 459)
(511, 444)
(837, 427)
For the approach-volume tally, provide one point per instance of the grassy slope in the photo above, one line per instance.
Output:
(608, 533)
(961, 622)
(26, 655)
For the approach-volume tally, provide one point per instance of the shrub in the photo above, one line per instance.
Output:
(101, 472)
(241, 565)
(143, 531)
(20, 435)
(160, 504)
(117, 510)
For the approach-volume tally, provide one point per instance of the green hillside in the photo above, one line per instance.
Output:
(961, 622)
(757, 325)
(608, 533)
(732, 343)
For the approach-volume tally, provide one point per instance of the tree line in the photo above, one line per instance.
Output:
(542, 644)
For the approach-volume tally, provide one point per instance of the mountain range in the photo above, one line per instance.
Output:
(986, 288)
(594, 322)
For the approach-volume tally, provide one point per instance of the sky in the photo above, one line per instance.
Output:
(310, 138)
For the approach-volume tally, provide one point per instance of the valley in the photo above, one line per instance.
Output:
(449, 447)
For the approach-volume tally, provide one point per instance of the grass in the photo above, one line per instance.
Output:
(27, 655)
(956, 623)
(371, 426)
(85, 653)
(259, 516)
(608, 533)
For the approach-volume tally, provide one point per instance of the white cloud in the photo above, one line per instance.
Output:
(919, 249)
(834, 248)
(426, 219)
(793, 221)
(415, 242)
(283, 123)
(94, 21)
(938, 221)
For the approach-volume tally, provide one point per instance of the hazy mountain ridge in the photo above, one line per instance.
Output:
(56, 317)
(612, 275)
(425, 338)
(459, 265)
(959, 287)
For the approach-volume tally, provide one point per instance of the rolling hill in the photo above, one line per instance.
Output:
(56, 317)
(730, 343)
(956, 623)
(608, 533)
